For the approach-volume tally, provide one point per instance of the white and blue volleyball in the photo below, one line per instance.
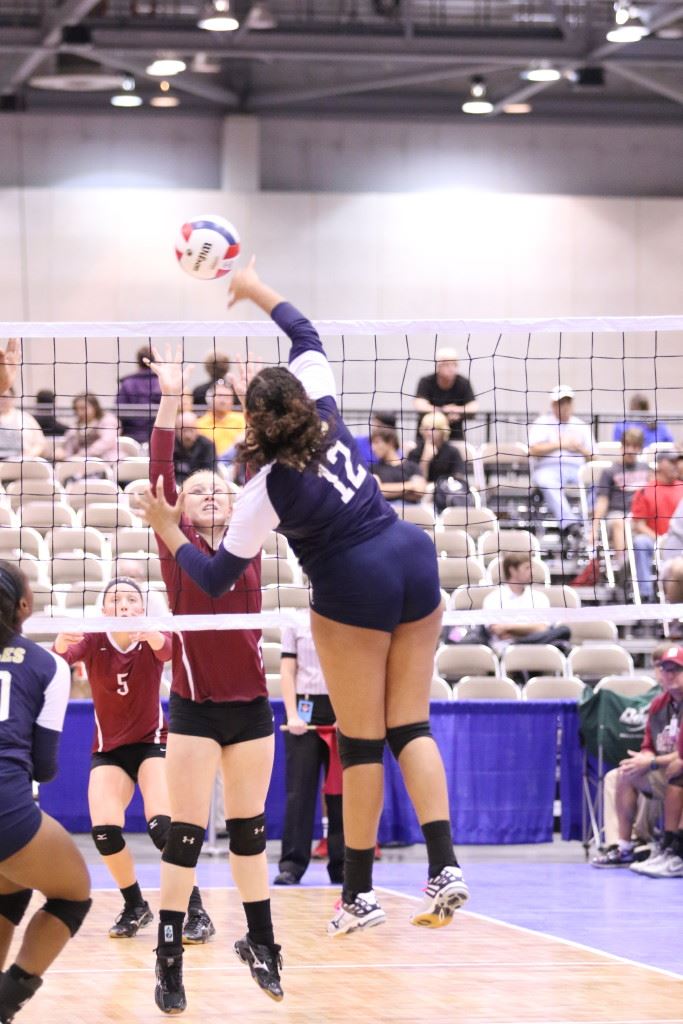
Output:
(207, 247)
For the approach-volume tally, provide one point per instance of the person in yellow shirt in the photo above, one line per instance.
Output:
(221, 423)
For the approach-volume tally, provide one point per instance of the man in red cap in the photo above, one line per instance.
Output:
(646, 771)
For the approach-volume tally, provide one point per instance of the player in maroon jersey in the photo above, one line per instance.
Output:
(124, 670)
(219, 717)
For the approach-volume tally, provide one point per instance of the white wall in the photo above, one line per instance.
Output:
(108, 255)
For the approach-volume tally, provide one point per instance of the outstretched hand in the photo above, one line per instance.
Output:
(172, 375)
(10, 358)
(243, 283)
(157, 512)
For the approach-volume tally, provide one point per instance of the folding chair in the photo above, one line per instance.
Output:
(486, 688)
(452, 661)
(554, 688)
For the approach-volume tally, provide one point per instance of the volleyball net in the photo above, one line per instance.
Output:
(69, 512)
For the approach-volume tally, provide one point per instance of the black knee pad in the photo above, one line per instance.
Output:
(72, 913)
(108, 839)
(13, 905)
(247, 835)
(158, 828)
(401, 735)
(353, 752)
(183, 845)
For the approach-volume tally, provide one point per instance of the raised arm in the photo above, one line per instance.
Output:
(172, 381)
(10, 359)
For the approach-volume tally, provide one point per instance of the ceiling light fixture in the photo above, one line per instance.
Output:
(165, 67)
(217, 17)
(126, 99)
(543, 72)
(628, 26)
(477, 102)
(164, 101)
(517, 108)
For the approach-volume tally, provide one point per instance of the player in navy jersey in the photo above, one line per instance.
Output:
(124, 671)
(376, 604)
(219, 718)
(35, 851)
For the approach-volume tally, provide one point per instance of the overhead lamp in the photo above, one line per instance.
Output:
(517, 108)
(543, 72)
(628, 26)
(166, 100)
(477, 102)
(126, 99)
(261, 18)
(165, 67)
(217, 17)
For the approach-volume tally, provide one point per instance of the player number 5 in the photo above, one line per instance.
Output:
(122, 688)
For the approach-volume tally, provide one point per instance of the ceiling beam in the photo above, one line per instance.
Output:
(70, 13)
(647, 82)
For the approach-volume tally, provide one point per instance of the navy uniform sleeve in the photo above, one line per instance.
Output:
(307, 359)
(48, 728)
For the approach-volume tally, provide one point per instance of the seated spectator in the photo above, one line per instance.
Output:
(652, 509)
(20, 433)
(651, 429)
(645, 771)
(217, 365)
(138, 389)
(559, 444)
(46, 415)
(364, 441)
(95, 434)
(447, 391)
(222, 424)
(435, 456)
(515, 593)
(192, 451)
(399, 479)
(615, 490)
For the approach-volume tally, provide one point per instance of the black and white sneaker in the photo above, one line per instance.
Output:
(363, 912)
(169, 993)
(443, 894)
(130, 921)
(265, 963)
(14, 993)
(198, 928)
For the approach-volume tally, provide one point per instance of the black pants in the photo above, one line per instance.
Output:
(304, 757)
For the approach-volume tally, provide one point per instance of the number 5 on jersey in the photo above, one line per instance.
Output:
(122, 688)
(343, 477)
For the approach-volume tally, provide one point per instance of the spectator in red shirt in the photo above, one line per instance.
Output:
(651, 510)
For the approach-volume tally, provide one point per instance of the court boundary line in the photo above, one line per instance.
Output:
(531, 931)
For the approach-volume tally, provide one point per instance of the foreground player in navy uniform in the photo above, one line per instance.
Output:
(35, 851)
(376, 606)
(219, 719)
(124, 671)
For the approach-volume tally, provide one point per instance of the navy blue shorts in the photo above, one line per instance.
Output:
(380, 583)
(20, 817)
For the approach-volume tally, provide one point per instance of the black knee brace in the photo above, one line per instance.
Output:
(72, 913)
(108, 839)
(401, 735)
(183, 845)
(247, 835)
(158, 828)
(353, 751)
(13, 905)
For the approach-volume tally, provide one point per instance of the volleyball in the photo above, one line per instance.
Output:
(207, 247)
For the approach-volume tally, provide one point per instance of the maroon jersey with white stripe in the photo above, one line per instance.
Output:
(216, 665)
(125, 689)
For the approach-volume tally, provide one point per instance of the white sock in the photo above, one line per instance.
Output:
(626, 845)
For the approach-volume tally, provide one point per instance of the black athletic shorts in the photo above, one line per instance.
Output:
(226, 722)
(129, 757)
(20, 817)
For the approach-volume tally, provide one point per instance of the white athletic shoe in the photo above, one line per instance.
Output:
(644, 867)
(669, 865)
(443, 894)
(363, 912)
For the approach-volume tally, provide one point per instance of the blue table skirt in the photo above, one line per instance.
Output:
(500, 760)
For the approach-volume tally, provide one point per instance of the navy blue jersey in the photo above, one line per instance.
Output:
(34, 693)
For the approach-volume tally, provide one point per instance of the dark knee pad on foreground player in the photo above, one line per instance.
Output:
(72, 913)
(108, 839)
(13, 905)
(401, 735)
(353, 751)
(247, 835)
(183, 845)
(158, 827)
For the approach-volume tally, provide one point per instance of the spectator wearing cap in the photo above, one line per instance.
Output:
(447, 391)
(364, 441)
(559, 444)
(138, 396)
(653, 431)
(616, 488)
(647, 772)
(652, 510)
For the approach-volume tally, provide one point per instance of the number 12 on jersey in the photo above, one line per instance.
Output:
(343, 477)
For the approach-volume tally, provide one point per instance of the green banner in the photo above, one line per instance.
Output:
(616, 722)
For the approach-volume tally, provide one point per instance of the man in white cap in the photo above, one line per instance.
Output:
(447, 391)
(559, 444)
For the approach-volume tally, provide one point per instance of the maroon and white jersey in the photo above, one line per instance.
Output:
(125, 689)
(216, 665)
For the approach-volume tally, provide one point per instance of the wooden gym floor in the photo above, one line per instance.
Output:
(477, 971)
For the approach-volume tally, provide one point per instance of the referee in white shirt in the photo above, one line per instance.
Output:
(307, 749)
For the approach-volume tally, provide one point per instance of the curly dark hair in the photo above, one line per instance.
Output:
(284, 424)
(12, 589)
